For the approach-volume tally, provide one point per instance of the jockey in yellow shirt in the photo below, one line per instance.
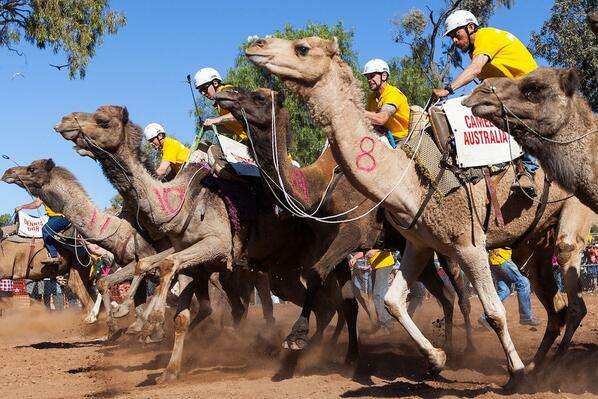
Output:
(387, 107)
(209, 82)
(174, 154)
(494, 53)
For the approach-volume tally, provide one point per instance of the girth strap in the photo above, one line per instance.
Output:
(492, 194)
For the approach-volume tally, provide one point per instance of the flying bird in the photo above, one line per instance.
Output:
(16, 75)
(59, 67)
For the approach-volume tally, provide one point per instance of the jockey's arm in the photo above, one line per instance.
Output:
(466, 76)
(381, 117)
(162, 169)
(36, 203)
(218, 120)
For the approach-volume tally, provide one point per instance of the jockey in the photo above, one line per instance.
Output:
(494, 53)
(209, 82)
(387, 108)
(174, 154)
(55, 224)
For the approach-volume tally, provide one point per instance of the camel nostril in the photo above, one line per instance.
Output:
(259, 43)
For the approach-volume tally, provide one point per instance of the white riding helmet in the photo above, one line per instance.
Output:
(459, 19)
(152, 130)
(376, 65)
(205, 75)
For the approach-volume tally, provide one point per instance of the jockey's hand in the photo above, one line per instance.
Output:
(18, 208)
(211, 121)
(438, 93)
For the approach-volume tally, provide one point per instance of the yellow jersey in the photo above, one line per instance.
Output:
(232, 126)
(50, 212)
(382, 259)
(174, 152)
(497, 257)
(398, 123)
(509, 58)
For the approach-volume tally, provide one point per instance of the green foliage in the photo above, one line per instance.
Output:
(5, 219)
(423, 33)
(308, 139)
(73, 26)
(116, 203)
(409, 77)
(565, 40)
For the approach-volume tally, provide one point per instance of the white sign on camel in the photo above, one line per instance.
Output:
(30, 226)
(478, 141)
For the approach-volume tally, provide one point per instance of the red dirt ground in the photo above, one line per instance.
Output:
(55, 355)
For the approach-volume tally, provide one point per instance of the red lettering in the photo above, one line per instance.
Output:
(467, 122)
(466, 139)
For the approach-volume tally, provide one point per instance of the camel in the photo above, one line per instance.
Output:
(319, 190)
(205, 239)
(21, 257)
(58, 188)
(313, 68)
(546, 115)
(593, 22)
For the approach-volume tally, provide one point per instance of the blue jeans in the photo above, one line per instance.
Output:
(380, 280)
(54, 225)
(530, 163)
(506, 275)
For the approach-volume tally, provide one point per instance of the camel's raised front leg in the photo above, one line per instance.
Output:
(412, 263)
(474, 261)
(210, 250)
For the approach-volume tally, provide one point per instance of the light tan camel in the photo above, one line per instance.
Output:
(58, 188)
(321, 189)
(546, 115)
(15, 263)
(313, 68)
(205, 239)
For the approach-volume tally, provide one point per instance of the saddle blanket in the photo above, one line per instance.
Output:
(30, 226)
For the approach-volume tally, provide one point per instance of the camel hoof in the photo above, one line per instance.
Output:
(167, 376)
(90, 318)
(514, 382)
(135, 328)
(351, 358)
(297, 339)
(531, 367)
(120, 311)
(436, 361)
(156, 336)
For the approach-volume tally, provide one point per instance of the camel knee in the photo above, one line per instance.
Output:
(567, 249)
(102, 286)
(166, 267)
(181, 321)
(497, 319)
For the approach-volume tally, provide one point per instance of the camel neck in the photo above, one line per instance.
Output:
(69, 198)
(306, 185)
(369, 164)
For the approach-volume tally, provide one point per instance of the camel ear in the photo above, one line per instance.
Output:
(125, 117)
(569, 81)
(49, 165)
(333, 46)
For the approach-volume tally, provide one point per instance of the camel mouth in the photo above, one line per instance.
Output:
(83, 152)
(225, 98)
(257, 59)
(69, 133)
(8, 177)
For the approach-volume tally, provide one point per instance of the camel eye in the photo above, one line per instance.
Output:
(102, 119)
(260, 98)
(30, 169)
(301, 50)
(533, 92)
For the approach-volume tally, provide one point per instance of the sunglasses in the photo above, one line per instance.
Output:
(204, 88)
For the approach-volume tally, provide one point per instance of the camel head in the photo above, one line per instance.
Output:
(304, 60)
(541, 100)
(103, 128)
(256, 106)
(32, 177)
(593, 21)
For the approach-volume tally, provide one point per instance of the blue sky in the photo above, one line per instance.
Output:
(144, 67)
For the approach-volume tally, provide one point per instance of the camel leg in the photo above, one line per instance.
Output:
(181, 326)
(231, 289)
(474, 261)
(202, 293)
(413, 261)
(433, 283)
(78, 287)
(547, 292)
(92, 317)
(262, 286)
(350, 312)
(208, 250)
(453, 272)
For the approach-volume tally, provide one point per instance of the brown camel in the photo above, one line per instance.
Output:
(313, 68)
(546, 115)
(207, 240)
(322, 192)
(593, 21)
(18, 259)
(58, 188)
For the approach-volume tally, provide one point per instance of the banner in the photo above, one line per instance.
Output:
(478, 141)
(30, 226)
(238, 156)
